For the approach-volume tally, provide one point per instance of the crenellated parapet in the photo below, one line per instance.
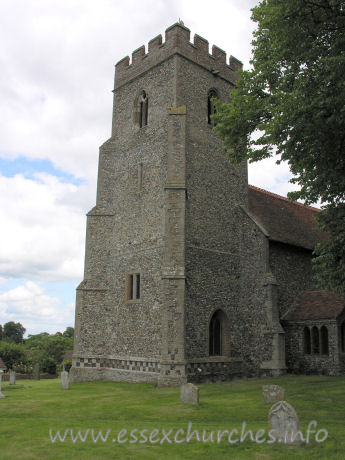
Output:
(177, 41)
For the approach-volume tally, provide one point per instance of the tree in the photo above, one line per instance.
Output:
(56, 346)
(48, 365)
(292, 104)
(13, 332)
(48, 348)
(12, 354)
(69, 332)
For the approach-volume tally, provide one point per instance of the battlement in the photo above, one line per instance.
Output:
(177, 41)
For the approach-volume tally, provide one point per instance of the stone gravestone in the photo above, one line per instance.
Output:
(37, 371)
(65, 380)
(189, 394)
(272, 393)
(12, 377)
(284, 422)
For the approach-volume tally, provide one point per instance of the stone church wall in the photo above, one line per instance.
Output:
(312, 363)
(125, 235)
(292, 269)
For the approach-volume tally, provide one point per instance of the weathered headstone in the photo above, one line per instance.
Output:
(65, 380)
(284, 423)
(12, 377)
(272, 393)
(37, 371)
(189, 394)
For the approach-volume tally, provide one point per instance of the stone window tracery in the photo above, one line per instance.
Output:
(315, 340)
(144, 109)
(141, 109)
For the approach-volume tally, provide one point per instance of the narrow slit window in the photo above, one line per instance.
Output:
(133, 286)
(130, 287)
(138, 286)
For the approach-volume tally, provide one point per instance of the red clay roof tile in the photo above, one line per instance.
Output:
(312, 305)
(285, 221)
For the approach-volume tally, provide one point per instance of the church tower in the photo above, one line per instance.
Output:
(164, 285)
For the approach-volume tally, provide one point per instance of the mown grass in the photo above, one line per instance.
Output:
(31, 408)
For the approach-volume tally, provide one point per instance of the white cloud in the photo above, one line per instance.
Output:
(43, 228)
(57, 70)
(57, 76)
(58, 67)
(34, 309)
(268, 175)
(226, 24)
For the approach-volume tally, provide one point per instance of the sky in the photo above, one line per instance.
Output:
(57, 62)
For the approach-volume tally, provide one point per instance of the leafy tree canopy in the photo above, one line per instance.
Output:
(12, 354)
(69, 332)
(48, 345)
(13, 332)
(292, 104)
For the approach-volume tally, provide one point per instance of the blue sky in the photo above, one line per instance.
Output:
(57, 62)
(29, 167)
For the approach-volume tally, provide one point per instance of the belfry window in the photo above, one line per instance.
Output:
(143, 109)
(133, 286)
(215, 335)
(211, 109)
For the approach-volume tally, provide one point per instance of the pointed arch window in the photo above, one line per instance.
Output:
(216, 335)
(211, 109)
(143, 109)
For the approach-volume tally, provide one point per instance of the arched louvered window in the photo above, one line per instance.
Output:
(141, 109)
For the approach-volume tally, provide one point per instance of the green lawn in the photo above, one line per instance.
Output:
(31, 408)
